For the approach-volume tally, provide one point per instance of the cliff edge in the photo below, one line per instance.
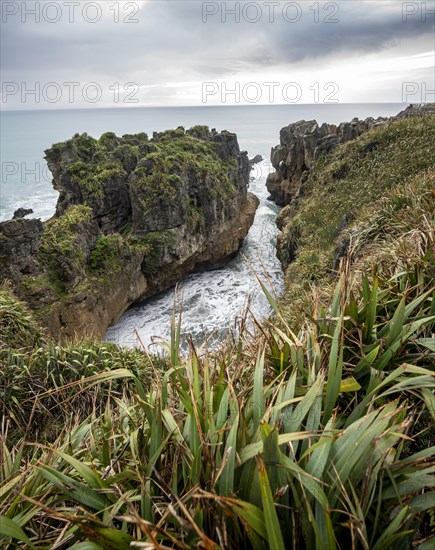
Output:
(134, 215)
(369, 202)
(302, 143)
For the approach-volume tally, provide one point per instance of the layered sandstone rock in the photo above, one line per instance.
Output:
(303, 142)
(133, 217)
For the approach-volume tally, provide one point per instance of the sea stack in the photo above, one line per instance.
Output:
(134, 216)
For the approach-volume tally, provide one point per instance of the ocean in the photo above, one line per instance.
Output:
(212, 301)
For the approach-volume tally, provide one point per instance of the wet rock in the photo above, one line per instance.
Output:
(22, 213)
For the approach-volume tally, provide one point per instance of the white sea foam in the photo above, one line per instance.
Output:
(42, 202)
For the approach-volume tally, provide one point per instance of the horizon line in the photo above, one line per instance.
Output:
(209, 106)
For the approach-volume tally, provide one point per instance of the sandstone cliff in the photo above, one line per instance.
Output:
(326, 195)
(303, 142)
(134, 216)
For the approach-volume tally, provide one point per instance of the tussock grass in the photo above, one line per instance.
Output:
(42, 387)
(18, 328)
(309, 435)
(310, 448)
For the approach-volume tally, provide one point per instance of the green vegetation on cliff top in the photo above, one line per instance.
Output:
(314, 432)
(170, 153)
(73, 264)
(369, 196)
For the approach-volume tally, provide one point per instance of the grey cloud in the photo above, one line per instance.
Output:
(171, 43)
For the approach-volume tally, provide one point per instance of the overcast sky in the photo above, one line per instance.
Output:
(160, 52)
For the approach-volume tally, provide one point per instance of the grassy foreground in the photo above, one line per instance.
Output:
(312, 432)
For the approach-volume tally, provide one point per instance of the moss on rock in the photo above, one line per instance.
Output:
(134, 215)
(66, 243)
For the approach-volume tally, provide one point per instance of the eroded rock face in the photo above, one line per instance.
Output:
(301, 144)
(20, 241)
(133, 217)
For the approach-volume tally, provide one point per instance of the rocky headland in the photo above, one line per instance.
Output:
(305, 146)
(134, 215)
(303, 142)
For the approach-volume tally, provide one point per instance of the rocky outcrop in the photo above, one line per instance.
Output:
(303, 142)
(134, 216)
(301, 145)
(22, 213)
(20, 241)
(255, 160)
(417, 109)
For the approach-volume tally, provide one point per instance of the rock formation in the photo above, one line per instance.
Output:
(303, 142)
(255, 160)
(22, 213)
(134, 216)
(301, 145)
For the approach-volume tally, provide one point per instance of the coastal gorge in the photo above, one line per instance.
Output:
(312, 428)
(135, 215)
